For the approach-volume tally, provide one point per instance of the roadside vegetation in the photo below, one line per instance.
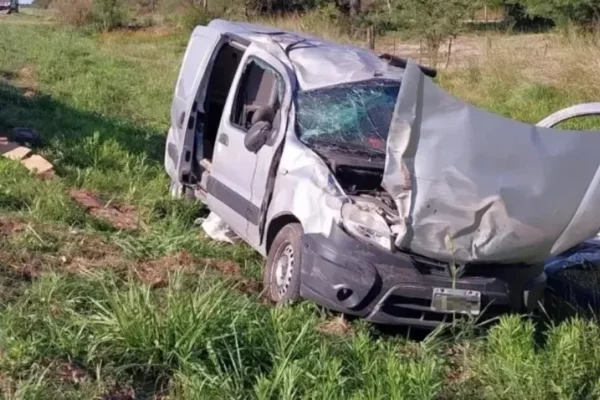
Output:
(90, 308)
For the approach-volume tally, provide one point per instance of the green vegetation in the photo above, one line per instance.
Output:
(88, 311)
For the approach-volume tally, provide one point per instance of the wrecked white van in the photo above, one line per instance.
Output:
(369, 189)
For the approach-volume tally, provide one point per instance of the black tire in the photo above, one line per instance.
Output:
(286, 245)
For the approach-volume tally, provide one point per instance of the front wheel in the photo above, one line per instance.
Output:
(282, 273)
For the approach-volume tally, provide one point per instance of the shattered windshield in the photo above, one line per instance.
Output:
(356, 115)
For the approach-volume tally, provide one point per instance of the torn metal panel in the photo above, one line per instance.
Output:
(473, 186)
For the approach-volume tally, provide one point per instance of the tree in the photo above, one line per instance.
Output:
(579, 12)
(433, 20)
(354, 7)
(279, 6)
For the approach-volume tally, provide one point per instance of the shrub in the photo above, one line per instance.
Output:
(42, 3)
(110, 13)
(579, 12)
(74, 12)
(193, 14)
(434, 20)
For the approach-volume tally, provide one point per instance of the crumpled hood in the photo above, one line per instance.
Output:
(472, 186)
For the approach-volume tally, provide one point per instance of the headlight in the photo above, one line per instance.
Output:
(366, 224)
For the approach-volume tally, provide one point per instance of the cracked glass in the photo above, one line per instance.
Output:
(356, 115)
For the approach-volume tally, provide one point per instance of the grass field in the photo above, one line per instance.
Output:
(89, 311)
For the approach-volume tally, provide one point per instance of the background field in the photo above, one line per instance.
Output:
(91, 311)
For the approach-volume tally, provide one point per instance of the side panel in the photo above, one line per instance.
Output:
(194, 72)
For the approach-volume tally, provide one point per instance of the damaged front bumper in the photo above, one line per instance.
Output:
(347, 275)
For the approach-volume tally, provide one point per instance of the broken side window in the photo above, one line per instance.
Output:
(260, 86)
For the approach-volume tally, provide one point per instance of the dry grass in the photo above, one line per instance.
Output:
(73, 12)
(317, 23)
(528, 77)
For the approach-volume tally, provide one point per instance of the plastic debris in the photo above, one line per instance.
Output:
(25, 137)
(218, 230)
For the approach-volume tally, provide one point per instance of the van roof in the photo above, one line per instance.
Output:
(316, 62)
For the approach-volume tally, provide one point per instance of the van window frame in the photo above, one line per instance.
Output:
(242, 82)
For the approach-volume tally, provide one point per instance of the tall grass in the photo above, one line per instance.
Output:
(203, 340)
(206, 342)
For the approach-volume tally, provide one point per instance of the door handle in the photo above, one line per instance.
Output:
(180, 120)
(224, 139)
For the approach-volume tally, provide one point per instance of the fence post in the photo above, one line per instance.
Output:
(449, 52)
(371, 37)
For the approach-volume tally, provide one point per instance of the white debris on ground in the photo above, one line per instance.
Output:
(218, 230)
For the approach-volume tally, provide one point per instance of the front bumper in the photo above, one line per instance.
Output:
(350, 276)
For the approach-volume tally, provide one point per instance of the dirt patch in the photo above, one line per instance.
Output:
(227, 267)
(8, 386)
(93, 248)
(338, 326)
(9, 227)
(23, 264)
(119, 216)
(156, 272)
(457, 372)
(126, 393)
(70, 251)
(70, 372)
(77, 252)
(12, 284)
(251, 287)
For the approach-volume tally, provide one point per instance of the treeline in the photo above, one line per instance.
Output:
(432, 20)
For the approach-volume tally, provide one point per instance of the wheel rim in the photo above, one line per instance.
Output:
(284, 269)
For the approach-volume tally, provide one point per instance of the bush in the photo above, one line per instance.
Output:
(434, 20)
(110, 13)
(193, 15)
(74, 12)
(279, 6)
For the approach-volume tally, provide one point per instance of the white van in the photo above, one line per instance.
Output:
(353, 187)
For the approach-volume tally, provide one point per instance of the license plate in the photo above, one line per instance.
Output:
(456, 301)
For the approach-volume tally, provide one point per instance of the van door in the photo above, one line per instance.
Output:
(188, 101)
(235, 187)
